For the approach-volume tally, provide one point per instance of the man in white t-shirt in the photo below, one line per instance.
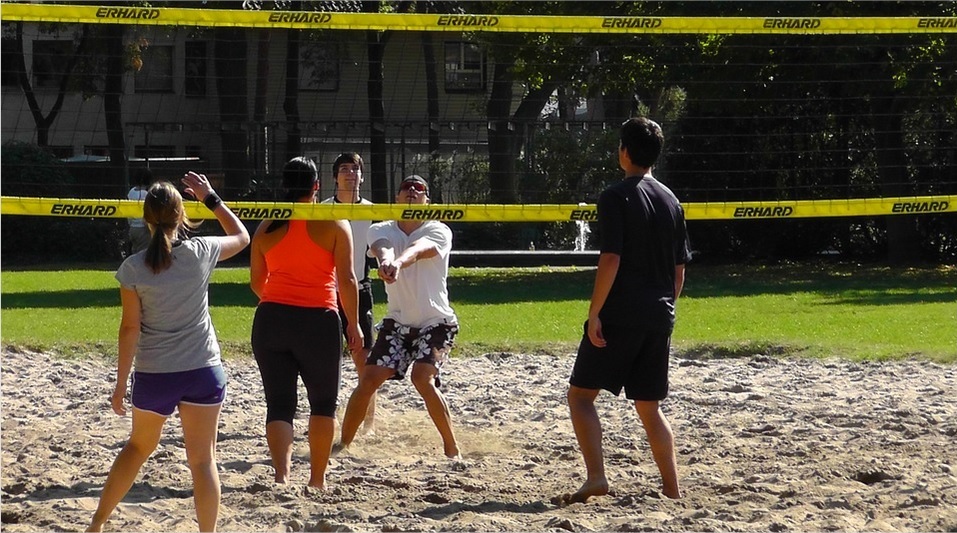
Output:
(139, 234)
(419, 327)
(347, 171)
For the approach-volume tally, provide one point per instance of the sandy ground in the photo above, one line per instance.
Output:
(764, 444)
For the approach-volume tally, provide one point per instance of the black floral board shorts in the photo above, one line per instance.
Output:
(398, 346)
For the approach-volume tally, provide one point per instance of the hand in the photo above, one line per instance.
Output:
(197, 185)
(118, 399)
(356, 338)
(388, 271)
(595, 334)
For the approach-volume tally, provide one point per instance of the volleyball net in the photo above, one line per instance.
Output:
(511, 116)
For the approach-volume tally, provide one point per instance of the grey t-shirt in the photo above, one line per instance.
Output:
(176, 332)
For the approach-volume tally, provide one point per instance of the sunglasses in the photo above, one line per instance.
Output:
(413, 185)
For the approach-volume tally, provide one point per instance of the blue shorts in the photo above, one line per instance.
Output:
(160, 393)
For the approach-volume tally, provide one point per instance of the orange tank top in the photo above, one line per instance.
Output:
(299, 271)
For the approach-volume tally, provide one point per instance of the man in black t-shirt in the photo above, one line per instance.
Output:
(627, 337)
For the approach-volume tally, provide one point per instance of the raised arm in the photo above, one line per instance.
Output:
(236, 237)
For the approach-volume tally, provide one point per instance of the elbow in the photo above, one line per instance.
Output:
(128, 330)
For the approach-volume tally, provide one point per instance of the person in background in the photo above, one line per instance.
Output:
(167, 332)
(347, 171)
(627, 337)
(294, 267)
(420, 326)
(139, 234)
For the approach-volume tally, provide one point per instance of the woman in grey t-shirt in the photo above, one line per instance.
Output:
(167, 332)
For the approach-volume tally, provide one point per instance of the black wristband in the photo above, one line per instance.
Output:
(212, 201)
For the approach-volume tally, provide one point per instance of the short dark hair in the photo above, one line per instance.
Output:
(143, 177)
(643, 139)
(346, 157)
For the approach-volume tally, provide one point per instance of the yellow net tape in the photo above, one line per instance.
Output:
(72, 207)
(459, 23)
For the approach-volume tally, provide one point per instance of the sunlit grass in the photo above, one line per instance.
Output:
(846, 310)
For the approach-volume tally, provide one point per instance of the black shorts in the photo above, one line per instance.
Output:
(634, 358)
(365, 315)
(291, 342)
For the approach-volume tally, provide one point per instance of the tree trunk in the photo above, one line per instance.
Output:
(43, 123)
(501, 158)
(290, 104)
(230, 58)
(377, 146)
(259, 102)
(903, 239)
(113, 103)
(432, 110)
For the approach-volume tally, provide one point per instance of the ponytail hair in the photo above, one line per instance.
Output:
(163, 211)
(299, 176)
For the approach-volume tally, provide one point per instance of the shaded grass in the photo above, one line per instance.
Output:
(817, 309)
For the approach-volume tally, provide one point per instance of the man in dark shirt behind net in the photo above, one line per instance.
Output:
(627, 337)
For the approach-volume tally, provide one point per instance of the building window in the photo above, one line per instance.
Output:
(464, 67)
(9, 68)
(60, 152)
(154, 151)
(195, 69)
(194, 151)
(50, 60)
(156, 75)
(319, 66)
(91, 149)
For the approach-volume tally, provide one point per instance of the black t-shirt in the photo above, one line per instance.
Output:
(642, 221)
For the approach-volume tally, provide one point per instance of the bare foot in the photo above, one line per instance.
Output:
(587, 490)
(368, 428)
(282, 479)
(95, 527)
(452, 452)
(319, 485)
(337, 448)
(674, 494)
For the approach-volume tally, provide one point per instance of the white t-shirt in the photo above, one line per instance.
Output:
(139, 194)
(420, 297)
(359, 230)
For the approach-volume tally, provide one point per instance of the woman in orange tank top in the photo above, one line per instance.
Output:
(295, 269)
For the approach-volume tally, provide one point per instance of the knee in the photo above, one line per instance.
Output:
(281, 412)
(138, 451)
(648, 411)
(423, 378)
(200, 460)
(323, 406)
(370, 379)
(579, 397)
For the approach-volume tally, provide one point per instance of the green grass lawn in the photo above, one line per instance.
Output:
(819, 310)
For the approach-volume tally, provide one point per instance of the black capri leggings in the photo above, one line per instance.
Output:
(290, 341)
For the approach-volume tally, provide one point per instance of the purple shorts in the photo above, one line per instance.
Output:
(160, 393)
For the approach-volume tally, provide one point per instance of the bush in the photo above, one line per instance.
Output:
(30, 171)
